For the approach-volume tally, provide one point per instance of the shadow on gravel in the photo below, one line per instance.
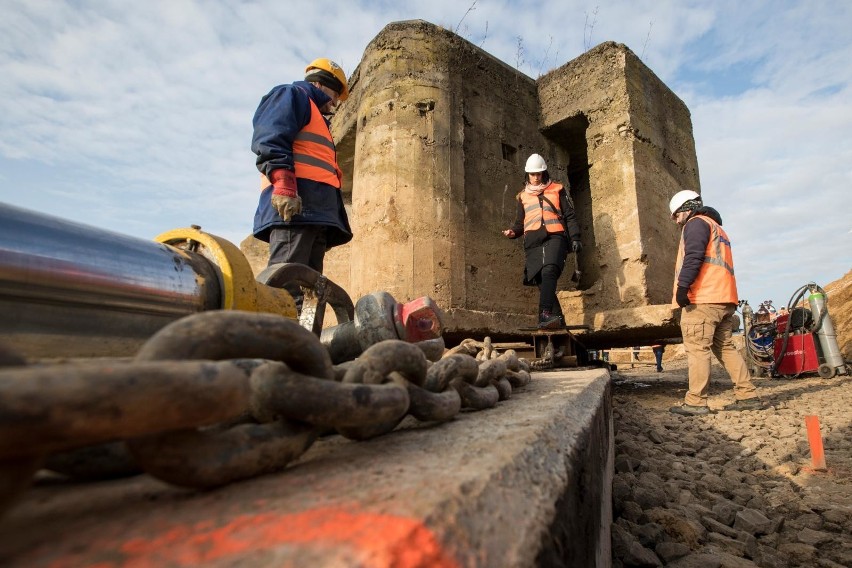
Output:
(727, 489)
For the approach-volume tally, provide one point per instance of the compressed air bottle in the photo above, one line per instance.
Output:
(824, 330)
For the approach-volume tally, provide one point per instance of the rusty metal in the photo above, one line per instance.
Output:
(379, 360)
(197, 458)
(375, 366)
(54, 408)
(487, 350)
(102, 461)
(510, 356)
(518, 379)
(477, 398)
(16, 475)
(490, 371)
(234, 334)
(465, 347)
(441, 373)
(429, 406)
(279, 392)
(379, 317)
(204, 459)
(323, 293)
(249, 394)
(432, 348)
(504, 388)
(373, 322)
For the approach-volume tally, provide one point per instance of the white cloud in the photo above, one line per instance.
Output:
(136, 117)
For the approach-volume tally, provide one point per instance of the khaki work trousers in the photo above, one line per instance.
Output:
(707, 328)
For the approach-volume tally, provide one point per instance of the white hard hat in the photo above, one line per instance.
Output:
(680, 198)
(535, 163)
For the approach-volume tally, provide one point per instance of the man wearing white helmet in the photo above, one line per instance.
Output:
(545, 217)
(706, 290)
(300, 212)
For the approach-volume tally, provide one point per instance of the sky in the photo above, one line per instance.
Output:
(135, 117)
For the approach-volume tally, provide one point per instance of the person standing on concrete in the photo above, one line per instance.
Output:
(546, 219)
(300, 212)
(706, 290)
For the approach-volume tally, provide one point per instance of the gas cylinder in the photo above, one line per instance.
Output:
(824, 329)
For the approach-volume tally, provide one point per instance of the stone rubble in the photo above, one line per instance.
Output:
(730, 489)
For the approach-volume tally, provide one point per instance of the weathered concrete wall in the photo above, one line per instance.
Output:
(441, 130)
(639, 151)
(433, 140)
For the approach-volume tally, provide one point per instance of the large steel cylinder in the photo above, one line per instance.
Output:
(825, 334)
(67, 289)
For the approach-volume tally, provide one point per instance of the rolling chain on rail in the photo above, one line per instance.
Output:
(226, 395)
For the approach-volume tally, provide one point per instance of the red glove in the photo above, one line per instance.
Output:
(283, 182)
(285, 198)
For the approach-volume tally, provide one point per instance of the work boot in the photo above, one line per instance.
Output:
(547, 320)
(753, 403)
(690, 410)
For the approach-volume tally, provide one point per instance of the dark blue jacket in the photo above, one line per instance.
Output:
(282, 113)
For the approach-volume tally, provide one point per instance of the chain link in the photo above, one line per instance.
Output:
(221, 396)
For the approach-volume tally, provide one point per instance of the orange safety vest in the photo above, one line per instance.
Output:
(715, 283)
(538, 211)
(314, 154)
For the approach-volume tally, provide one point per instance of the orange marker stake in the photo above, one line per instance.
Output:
(815, 442)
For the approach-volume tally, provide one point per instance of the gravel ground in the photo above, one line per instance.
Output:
(732, 488)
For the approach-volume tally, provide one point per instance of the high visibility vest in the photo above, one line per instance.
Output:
(314, 154)
(715, 283)
(538, 211)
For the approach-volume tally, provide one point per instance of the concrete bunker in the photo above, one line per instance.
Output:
(432, 142)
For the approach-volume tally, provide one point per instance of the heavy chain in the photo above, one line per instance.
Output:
(221, 396)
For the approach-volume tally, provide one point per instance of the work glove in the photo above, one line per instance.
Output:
(682, 296)
(285, 198)
(576, 246)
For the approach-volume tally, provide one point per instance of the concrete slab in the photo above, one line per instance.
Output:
(525, 483)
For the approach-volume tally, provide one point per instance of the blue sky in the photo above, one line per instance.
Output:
(136, 116)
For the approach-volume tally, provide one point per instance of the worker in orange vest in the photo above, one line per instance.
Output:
(546, 219)
(706, 290)
(300, 212)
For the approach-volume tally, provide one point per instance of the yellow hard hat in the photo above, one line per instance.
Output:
(336, 70)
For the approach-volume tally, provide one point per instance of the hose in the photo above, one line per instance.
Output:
(795, 298)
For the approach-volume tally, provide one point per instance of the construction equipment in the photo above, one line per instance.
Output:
(70, 290)
(806, 340)
(378, 317)
(802, 341)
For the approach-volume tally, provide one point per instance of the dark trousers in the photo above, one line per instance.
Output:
(305, 244)
(547, 289)
(658, 355)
